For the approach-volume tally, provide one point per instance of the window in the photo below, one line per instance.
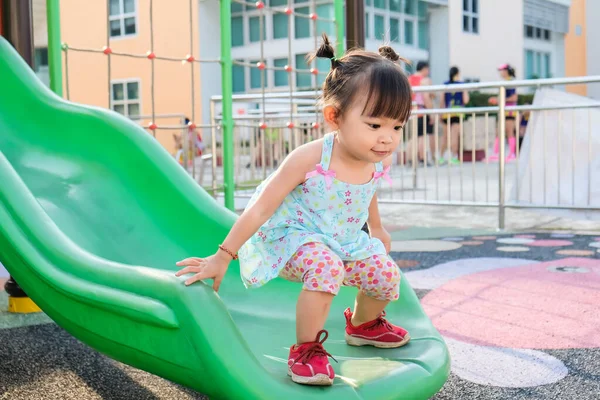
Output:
(394, 30)
(325, 11)
(471, 16)
(379, 4)
(254, 23)
(125, 97)
(281, 77)
(323, 65)
(280, 26)
(367, 26)
(302, 24)
(409, 32)
(537, 64)
(239, 80)
(532, 32)
(410, 7)
(122, 18)
(237, 31)
(423, 35)
(528, 31)
(303, 79)
(41, 58)
(255, 74)
(395, 5)
(379, 27)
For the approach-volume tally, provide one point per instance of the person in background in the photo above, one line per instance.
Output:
(507, 72)
(451, 139)
(422, 100)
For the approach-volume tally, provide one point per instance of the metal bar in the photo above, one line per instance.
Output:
(573, 157)
(152, 77)
(502, 133)
(473, 154)
(461, 160)
(54, 46)
(192, 86)
(487, 159)
(558, 157)
(108, 55)
(449, 164)
(530, 157)
(425, 149)
(436, 129)
(263, 160)
(227, 106)
(415, 157)
(213, 144)
(517, 136)
(67, 88)
(545, 168)
(339, 26)
(589, 161)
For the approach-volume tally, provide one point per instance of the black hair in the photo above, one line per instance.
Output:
(389, 93)
(453, 72)
(422, 65)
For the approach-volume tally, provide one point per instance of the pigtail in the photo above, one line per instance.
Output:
(325, 51)
(390, 54)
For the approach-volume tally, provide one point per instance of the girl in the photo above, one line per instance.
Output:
(450, 142)
(507, 73)
(304, 222)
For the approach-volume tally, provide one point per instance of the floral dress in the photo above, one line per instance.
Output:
(321, 210)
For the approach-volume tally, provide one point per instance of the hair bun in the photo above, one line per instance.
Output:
(389, 53)
(326, 50)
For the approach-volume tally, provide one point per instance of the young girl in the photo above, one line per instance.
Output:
(304, 222)
(507, 73)
(451, 140)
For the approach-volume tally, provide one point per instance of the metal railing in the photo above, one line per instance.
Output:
(269, 129)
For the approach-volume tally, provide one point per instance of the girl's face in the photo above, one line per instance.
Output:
(365, 138)
(504, 73)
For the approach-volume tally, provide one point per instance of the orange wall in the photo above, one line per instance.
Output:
(575, 46)
(83, 25)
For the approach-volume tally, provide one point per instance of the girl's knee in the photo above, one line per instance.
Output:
(324, 271)
(386, 285)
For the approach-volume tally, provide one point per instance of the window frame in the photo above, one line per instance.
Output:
(471, 15)
(126, 102)
(122, 16)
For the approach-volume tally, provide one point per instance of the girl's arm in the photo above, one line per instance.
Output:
(290, 174)
(514, 97)
(376, 229)
(466, 98)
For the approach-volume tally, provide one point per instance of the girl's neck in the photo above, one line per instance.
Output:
(345, 157)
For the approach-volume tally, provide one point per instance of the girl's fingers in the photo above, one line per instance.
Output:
(198, 277)
(188, 269)
(190, 260)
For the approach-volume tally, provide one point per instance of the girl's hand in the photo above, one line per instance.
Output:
(213, 267)
(383, 235)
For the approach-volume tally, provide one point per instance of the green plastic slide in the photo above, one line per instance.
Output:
(94, 213)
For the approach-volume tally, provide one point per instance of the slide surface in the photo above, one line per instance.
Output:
(94, 213)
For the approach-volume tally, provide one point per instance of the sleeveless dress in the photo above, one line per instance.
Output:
(322, 209)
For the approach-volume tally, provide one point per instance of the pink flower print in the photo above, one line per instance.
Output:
(348, 202)
(351, 219)
(348, 193)
(375, 281)
(307, 201)
(335, 272)
(301, 220)
(288, 221)
(330, 208)
(279, 260)
(254, 280)
(305, 189)
(357, 192)
(281, 239)
(276, 247)
(299, 213)
(274, 266)
(313, 183)
(310, 210)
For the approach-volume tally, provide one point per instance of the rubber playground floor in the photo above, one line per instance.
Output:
(520, 313)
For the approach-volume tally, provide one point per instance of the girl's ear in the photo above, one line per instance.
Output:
(330, 114)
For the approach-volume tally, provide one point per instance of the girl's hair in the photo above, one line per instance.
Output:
(453, 72)
(511, 71)
(376, 75)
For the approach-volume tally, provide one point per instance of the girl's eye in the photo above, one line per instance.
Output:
(398, 128)
(374, 126)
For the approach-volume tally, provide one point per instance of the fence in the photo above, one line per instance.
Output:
(554, 167)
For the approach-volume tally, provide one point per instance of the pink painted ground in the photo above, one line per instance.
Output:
(527, 307)
(550, 243)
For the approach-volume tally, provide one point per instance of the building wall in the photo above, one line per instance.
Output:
(83, 25)
(593, 38)
(439, 46)
(576, 45)
(500, 39)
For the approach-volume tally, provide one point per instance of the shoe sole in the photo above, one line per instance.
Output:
(317, 380)
(356, 341)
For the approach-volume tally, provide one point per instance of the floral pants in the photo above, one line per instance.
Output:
(321, 270)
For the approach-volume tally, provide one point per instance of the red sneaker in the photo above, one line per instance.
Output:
(308, 363)
(378, 333)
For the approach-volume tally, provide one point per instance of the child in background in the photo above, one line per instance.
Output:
(451, 140)
(304, 221)
(507, 73)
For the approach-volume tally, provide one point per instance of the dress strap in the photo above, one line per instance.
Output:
(327, 149)
(379, 167)
(381, 172)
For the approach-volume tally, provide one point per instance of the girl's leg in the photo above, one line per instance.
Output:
(455, 139)
(367, 308)
(322, 273)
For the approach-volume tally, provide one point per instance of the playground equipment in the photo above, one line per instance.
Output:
(93, 237)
